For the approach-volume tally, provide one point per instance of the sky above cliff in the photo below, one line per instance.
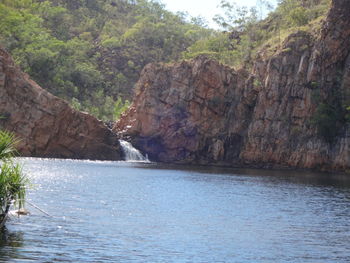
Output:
(205, 8)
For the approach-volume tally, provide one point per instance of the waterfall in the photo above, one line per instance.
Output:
(132, 154)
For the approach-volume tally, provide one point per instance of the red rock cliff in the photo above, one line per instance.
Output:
(45, 124)
(202, 112)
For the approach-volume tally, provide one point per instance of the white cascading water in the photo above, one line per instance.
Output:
(131, 153)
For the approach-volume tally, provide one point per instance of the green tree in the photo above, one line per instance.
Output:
(120, 107)
(328, 119)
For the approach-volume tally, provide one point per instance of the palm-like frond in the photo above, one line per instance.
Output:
(12, 185)
(12, 181)
(7, 145)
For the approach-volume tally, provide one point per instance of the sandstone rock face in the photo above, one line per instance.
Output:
(45, 124)
(202, 112)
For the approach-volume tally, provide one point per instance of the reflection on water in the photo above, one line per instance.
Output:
(13, 239)
(124, 212)
(10, 241)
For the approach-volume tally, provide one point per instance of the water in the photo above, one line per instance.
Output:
(144, 212)
(131, 153)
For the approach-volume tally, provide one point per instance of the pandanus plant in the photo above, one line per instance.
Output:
(12, 181)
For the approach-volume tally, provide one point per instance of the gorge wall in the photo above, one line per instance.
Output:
(203, 112)
(47, 126)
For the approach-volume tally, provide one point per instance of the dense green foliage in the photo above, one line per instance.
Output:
(331, 115)
(246, 32)
(326, 119)
(12, 180)
(91, 52)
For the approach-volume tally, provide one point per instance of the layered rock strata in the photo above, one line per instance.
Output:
(47, 126)
(202, 112)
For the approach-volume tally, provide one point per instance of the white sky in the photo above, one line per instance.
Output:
(206, 8)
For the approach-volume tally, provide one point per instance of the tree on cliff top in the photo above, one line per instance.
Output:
(92, 52)
(246, 31)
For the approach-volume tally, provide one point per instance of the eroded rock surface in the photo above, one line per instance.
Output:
(46, 125)
(202, 112)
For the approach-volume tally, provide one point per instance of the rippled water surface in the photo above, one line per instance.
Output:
(124, 212)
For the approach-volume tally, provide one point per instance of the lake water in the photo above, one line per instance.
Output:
(139, 212)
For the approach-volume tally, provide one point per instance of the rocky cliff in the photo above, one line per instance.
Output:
(45, 124)
(275, 115)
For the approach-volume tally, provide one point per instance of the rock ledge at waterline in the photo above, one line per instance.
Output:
(46, 125)
(202, 112)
